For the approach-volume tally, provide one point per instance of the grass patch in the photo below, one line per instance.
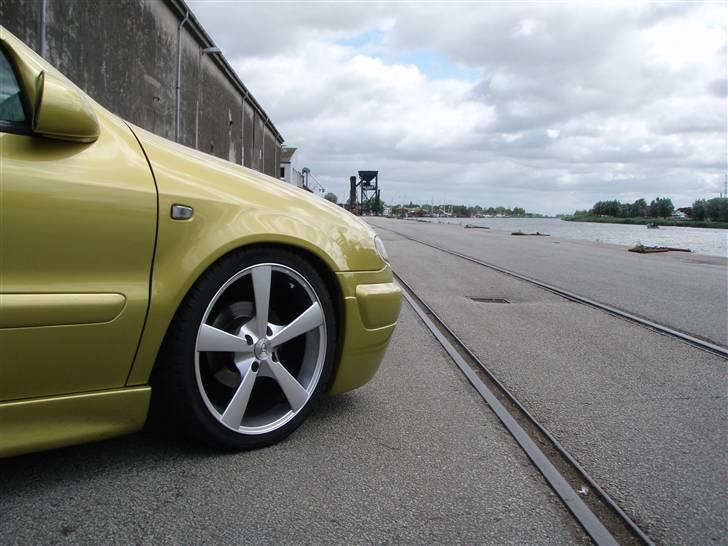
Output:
(645, 221)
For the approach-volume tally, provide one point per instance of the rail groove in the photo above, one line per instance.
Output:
(659, 328)
(604, 521)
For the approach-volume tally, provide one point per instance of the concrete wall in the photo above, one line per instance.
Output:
(123, 53)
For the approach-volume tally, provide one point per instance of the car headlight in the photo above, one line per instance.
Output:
(380, 248)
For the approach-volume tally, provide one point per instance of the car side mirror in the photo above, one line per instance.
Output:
(62, 112)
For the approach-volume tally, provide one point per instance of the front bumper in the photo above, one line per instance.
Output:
(371, 307)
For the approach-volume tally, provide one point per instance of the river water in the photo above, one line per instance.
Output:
(713, 242)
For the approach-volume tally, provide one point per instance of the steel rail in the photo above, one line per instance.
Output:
(660, 328)
(581, 511)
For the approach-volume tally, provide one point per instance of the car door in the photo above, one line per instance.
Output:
(77, 235)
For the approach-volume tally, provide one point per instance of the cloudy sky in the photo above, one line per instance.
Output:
(547, 106)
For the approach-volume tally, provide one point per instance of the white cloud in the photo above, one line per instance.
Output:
(525, 27)
(577, 102)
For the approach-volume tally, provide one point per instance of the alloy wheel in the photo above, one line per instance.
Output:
(260, 348)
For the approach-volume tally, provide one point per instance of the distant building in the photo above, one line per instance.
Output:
(288, 173)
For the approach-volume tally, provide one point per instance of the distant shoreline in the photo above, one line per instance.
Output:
(645, 221)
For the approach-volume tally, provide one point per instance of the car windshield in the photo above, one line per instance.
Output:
(11, 105)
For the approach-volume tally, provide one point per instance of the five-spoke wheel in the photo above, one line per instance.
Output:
(261, 350)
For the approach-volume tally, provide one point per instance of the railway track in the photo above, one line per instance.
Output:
(603, 520)
(599, 515)
(702, 344)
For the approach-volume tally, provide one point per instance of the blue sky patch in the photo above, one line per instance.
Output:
(433, 64)
(437, 66)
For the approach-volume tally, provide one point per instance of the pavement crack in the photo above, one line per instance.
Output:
(386, 445)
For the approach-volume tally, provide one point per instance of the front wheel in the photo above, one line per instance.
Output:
(250, 350)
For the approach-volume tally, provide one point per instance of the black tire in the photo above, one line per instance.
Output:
(195, 379)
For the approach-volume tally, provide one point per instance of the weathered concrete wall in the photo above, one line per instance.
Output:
(123, 53)
(258, 142)
(271, 158)
(248, 132)
(22, 18)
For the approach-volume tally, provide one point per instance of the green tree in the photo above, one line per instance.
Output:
(606, 208)
(699, 209)
(716, 209)
(459, 210)
(612, 208)
(638, 208)
(331, 197)
(620, 210)
(661, 207)
(371, 205)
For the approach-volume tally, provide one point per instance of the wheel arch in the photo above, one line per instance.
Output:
(142, 372)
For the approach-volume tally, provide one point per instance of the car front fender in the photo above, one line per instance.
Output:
(233, 207)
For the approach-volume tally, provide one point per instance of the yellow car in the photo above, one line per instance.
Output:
(129, 264)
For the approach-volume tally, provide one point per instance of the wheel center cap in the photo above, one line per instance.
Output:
(263, 349)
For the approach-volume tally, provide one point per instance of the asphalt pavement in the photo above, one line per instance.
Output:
(685, 291)
(416, 456)
(413, 457)
(645, 414)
